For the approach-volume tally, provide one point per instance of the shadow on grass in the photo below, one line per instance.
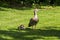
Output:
(2, 9)
(17, 8)
(2, 38)
(29, 34)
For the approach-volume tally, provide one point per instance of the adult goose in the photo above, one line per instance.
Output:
(34, 20)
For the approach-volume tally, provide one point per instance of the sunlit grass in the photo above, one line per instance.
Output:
(49, 20)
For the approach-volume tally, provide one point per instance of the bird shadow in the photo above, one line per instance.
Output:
(29, 34)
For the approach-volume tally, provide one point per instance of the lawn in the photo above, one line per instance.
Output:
(48, 27)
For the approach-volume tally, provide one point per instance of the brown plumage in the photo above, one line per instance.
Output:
(34, 20)
(21, 27)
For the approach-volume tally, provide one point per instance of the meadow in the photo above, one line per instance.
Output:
(48, 27)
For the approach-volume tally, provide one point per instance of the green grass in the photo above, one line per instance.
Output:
(48, 27)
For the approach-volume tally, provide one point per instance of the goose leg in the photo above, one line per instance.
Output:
(35, 26)
(32, 27)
